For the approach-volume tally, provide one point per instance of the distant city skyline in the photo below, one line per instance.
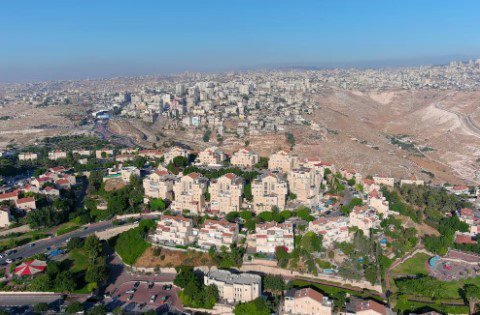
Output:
(61, 40)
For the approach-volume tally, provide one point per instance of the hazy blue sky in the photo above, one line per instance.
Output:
(43, 40)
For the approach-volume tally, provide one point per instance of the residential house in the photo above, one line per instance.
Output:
(333, 229)
(270, 235)
(283, 160)
(226, 193)
(189, 192)
(57, 155)
(269, 190)
(27, 203)
(235, 288)
(366, 307)
(27, 156)
(364, 218)
(244, 158)
(159, 184)
(103, 153)
(5, 217)
(305, 184)
(173, 153)
(173, 230)
(306, 301)
(387, 181)
(211, 156)
(217, 233)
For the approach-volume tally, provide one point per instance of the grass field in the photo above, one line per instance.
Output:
(80, 260)
(413, 266)
(67, 227)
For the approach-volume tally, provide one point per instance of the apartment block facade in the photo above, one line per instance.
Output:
(226, 193)
(283, 160)
(235, 288)
(269, 190)
(217, 233)
(173, 230)
(270, 235)
(159, 184)
(244, 158)
(189, 193)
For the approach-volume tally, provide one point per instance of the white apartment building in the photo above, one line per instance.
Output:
(387, 181)
(283, 160)
(211, 156)
(173, 153)
(5, 218)
(159, 184)
(306, 301)
(226, 193)
(235, 288)
(173, 230)
(189, 193)
(364, 218)
(103, 153)
(305, 184)
(57, 155)
(82, 152)
(124, 173)
(378, 202)
(244, 158)
(27, 156)
(217, 233)
(333, 229)
(270, 235)
(269, 190)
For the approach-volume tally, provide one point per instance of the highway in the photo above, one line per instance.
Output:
(465, 119)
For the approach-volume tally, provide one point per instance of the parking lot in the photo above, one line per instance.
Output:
(138, 297)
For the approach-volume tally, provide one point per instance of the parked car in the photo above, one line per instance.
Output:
(130, 297)
(153, 298)
(131, 291)
(9, 261)
(151, 284)
(136, 284)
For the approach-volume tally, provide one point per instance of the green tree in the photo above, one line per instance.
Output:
(472, 294)
(93, 247)
(157, 204)
(65, 282)
(273, 283)
(40, 307)
(282, 256)
(255, 307)
(74, 307)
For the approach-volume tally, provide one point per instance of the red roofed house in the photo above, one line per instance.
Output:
(268, 236)
(306, 301)
(27, 203)
(173, 230)
(217, 233)
(10, 196)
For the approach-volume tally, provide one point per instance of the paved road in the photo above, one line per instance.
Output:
(42, 246)
(465, 119)
(31, 299)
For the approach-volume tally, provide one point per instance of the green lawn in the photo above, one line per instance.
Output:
(412, 266)
(79, 258)
(406, 306)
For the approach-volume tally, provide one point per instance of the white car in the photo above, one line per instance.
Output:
(9, 261)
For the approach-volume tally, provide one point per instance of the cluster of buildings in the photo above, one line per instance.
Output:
(244, 287)
(302, 181)
(22, 200)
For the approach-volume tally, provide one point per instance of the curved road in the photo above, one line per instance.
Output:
(41, 246)
(465, 119)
